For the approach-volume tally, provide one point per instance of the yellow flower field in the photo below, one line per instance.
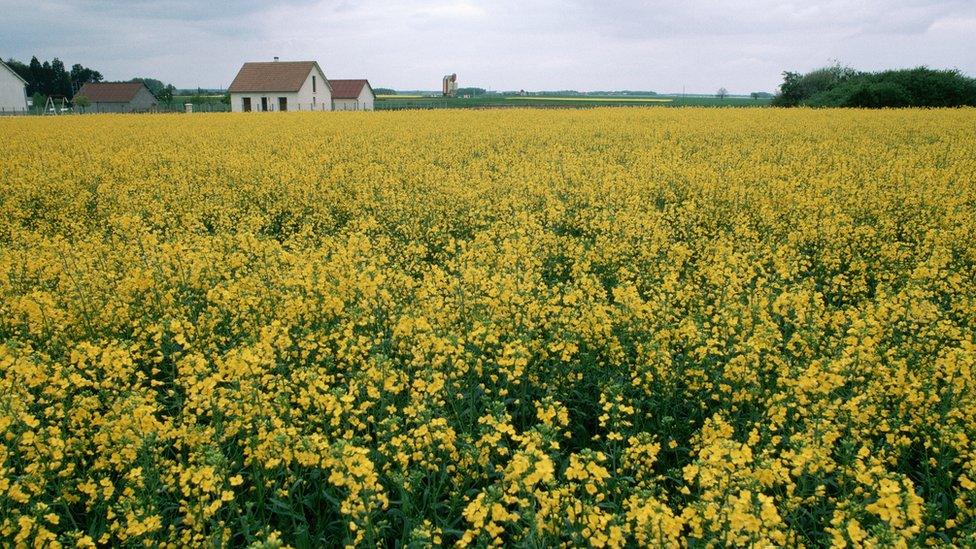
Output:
(591, 98)
(607, 327)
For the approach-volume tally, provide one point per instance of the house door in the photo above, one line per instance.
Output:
(282, 104)
(246, 104)
(264, 104)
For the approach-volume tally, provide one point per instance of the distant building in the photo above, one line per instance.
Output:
(280, 86)
(13, 90)
(352, 95)
(449, 85)
(115, 97)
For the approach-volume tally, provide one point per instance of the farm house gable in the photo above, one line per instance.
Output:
(352, 95)
(116, 97)
(280, 86)
(13, 90)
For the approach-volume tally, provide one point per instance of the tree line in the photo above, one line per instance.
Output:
(53, 79)
(840, 86)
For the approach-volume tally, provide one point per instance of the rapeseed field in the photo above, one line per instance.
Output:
(608, 327)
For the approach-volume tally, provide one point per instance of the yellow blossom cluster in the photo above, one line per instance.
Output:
(607, 328)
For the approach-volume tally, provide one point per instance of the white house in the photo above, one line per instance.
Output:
(352, 95)
(13, 90)
(280, 86)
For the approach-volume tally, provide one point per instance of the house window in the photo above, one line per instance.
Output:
(282, 104)
(313, 83)
(246, 104)
(264, 104)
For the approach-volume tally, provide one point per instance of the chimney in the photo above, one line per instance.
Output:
(276, 59)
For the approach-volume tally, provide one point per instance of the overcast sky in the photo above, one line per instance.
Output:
(665, 46)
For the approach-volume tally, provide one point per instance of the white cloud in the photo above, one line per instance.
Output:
(457, 10)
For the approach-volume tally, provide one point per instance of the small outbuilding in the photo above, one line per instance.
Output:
(352, 95)
(280, 86)
(13, 90)
(114, 97)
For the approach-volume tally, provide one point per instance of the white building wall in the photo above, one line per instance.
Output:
(237, 101)
(106, 107)
(366, 98)
(143, 101)
(302, 100)
(346, 104)
(13, 94)
(365, 102)
(321, 100)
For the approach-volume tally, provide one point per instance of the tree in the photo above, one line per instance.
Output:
(60, 79)
(35, 80)
(722, 93)
(473, 92)
(838, 86)
(790, 94)
(46, 84)
(38, 101)
(51, 78)
(166, 94)
(81, 75)
(21, 69)
(155, 86)
(82, 102)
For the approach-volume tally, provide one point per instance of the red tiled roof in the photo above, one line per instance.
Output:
(110, 92)
(275, 76)
(347, 89)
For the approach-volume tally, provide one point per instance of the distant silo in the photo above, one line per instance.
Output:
(449, 85)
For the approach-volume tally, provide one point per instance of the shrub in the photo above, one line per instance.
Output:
(838, 86)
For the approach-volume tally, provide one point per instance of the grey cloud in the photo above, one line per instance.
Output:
(178, 10)
(537, 44)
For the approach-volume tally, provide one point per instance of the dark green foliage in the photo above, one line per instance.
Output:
(163, 92)
(81, 74)
(838, 86)
(798, 88)
(473, 92)
(155, 86)
(864, 94)
(82, 102)
(19, 68)
(51, 78)
(165, 95)
(38, 100)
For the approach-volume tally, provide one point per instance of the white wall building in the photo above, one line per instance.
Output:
(352, 95)
(280, 86)
(13, 90)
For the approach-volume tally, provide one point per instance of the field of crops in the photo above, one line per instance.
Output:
(599, 327)
(590, 99)
(402, 102)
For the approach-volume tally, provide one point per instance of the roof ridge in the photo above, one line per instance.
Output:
(273, 76)
(111, 92)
